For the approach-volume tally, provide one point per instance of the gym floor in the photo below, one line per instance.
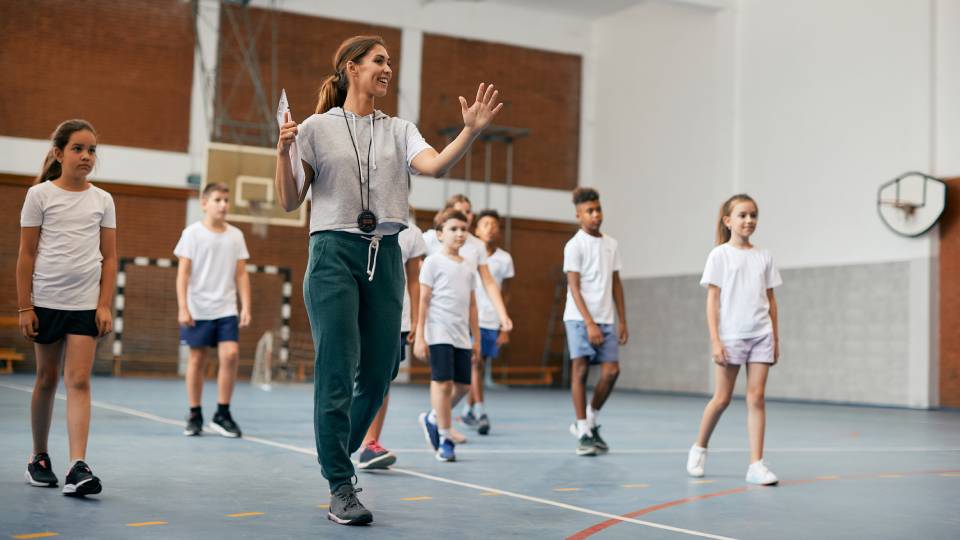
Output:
(845, 471)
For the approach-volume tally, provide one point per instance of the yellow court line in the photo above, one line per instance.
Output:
(36, 535)
(491, 494)
(146, 523)
(951, 474)
(702, 481)
(245, 514)
(423, 498)
(636, 486)
(324, 506)
(566, 489)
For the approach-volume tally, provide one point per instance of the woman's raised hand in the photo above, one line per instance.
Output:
(479, 115)
(288, 133)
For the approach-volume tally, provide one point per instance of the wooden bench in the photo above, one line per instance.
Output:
(8, 357)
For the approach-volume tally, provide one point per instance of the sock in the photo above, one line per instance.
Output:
(432, 417)
(195, 411)
(223, 408)
(698, 448)
(478, 409)
(583, 427)
(592, 416)
(467, 409)
(74, 462)
(444, 434)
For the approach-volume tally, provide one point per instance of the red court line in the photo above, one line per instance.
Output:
(590, 531)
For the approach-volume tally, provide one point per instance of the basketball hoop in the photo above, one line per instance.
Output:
(911, 204)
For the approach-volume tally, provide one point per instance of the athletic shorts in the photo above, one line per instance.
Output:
(449, 363)
(403, 347)
(209, 333)
(749, 351)
(488, 343)
(57, 323)
(580, 346)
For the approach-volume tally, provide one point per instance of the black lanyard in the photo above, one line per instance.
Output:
(365, 208)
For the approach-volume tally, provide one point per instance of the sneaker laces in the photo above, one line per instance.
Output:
(349, 497)
(375, 446)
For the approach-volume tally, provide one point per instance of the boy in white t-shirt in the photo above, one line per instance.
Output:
(212, 268)
(412, 250)
(492, 336)
(448, 317)
(591, 261)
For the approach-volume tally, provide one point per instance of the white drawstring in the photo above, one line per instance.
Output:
(372, 252)
(356, 142)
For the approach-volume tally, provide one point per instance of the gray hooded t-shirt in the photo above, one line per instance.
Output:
(325, 143)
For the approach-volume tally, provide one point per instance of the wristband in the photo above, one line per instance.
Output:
(21, 310)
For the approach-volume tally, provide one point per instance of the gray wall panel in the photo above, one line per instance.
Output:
(844, 335)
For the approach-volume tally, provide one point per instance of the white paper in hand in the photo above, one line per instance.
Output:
(299, 177)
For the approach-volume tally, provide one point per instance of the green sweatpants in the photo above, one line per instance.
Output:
(356, 328)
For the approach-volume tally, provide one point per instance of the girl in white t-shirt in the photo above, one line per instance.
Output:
(66, 273)
(448, 317)
(742, 319)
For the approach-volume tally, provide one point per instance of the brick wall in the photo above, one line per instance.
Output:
(950, 298)
(127, 67)
(540, 90)
(304, 46)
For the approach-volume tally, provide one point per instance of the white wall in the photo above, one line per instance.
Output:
(808, 106)
(661, 133)
(835, 99)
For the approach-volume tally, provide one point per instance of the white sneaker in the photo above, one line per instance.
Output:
(696, 461)
(759, 474)
(574, 431)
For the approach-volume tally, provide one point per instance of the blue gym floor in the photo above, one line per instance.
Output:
(846, 472)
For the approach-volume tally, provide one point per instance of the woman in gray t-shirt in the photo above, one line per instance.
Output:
(358, 161)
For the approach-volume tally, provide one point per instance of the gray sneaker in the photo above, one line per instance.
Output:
(483, 425)
(346, 509)
(599, 442)
(587, 446)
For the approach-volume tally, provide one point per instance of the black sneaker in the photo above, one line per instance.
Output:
(483, 425)
(194, 425)
(40, 471)
(346, 509)
(81, 481)
(587, 446)
(224, 425)
(374, 456)
(599, 442)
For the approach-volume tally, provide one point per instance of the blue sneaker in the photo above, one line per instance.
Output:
(445, 452)
(430, 432)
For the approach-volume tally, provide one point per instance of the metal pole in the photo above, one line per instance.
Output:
(467, 163)
(487, 171)
(509, 218)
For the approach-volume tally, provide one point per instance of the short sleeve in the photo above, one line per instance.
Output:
(474, 281)
(428, 273)
(109, 219)
(481, 253)
(509, 271)
(572, 260)
(772, 274)
(419, 248)
(32, 213)
(415, 144)
(617, 262)
(713, 271)
(306, 144)
(185, 246)
(242, 253)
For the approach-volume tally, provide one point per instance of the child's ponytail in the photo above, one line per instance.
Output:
(723, 232)
(52, 169)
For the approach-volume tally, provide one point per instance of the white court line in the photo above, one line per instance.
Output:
(684, 451)
(485, 489)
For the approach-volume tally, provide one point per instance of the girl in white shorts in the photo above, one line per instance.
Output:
(742, 318)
